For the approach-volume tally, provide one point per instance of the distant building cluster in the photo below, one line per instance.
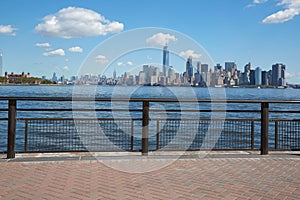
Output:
(12, 77)
(203, 76)
(196, 75)
(230, 76)
(23, 78)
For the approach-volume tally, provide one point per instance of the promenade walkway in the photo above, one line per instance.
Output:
(238, 175)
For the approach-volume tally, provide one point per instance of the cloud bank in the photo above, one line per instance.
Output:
(259, 1)
(101, 59)
(57, 52)
(76, 49)
(121, 64)
(7, 30)
(43, 45)
(291, 8)
(189, 53)
(73, 22)
(160, 39)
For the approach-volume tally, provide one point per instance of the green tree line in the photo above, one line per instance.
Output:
(24, 80)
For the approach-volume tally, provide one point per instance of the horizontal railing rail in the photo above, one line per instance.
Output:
(149, 100)
(286, 134)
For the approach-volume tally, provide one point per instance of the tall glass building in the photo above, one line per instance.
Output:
(258, 78)
(278, 75)
(189, 69)
(165, 60)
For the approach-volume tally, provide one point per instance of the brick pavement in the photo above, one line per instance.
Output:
(202, 178)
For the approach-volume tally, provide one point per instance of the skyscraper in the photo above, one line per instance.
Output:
(247, 68)
(282, 79)
(54, 77)
(199, 67)
(229, 66)
(252, 77)
(1, 62)
(114, 75)
(258, 77)
(146, 69)
(264, 78)
(278, 75)
(204, 68)
(165, 60)
(189, 69)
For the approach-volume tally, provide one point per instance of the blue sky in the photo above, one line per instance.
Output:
(40, 37)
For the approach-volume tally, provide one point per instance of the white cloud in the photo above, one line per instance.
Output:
(189, 53)
(289, 3)
(256, 2)
(7, 30)
(57, 52)
(75, 22)
(121, 64)
(291, 8)
(43, 45)
(259, 1)
(76, 49)
(160, 39)
(281, 16)
(101, 59)
(66, 68)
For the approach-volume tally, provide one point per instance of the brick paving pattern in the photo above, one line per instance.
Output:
(206, 178)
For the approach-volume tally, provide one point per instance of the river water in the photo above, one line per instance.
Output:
(151, 92)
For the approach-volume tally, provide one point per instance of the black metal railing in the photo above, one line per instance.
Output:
(52, 134)
(146, 131)
(287, 134)
(48, 135)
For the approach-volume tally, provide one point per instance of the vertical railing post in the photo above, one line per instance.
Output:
(276, 134)
(11, 135)
(157, 134)
(264, 128)
(252, 134)
(26, 136)
(132, 135)
(145, 128)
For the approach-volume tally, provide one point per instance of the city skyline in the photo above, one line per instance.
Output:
(196, 73)
(200, 75)
(263, 32)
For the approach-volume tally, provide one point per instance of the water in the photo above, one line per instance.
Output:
(158, 92)
(142, 92)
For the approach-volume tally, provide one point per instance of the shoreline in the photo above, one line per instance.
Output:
(30, 85)
(243, 86)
